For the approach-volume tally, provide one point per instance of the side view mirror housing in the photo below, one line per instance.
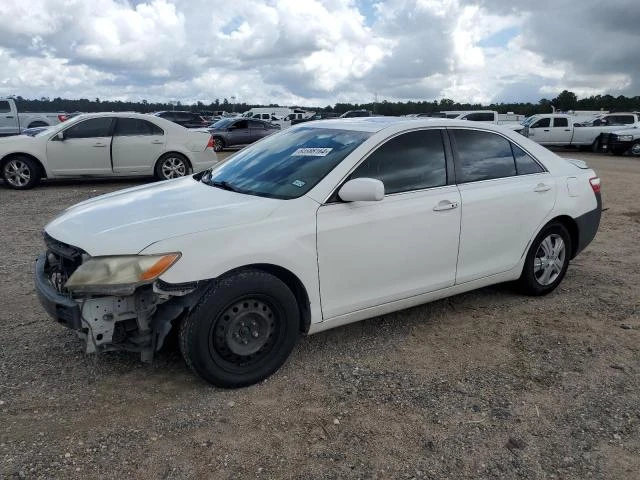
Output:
(362, 190)
(60, 135)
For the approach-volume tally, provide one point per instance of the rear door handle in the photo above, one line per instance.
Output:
(567, 130)
(546, 129)
(99, 144)
(157, 142)
(445, 205)
(542, 187)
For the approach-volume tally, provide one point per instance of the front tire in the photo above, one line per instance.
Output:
(21, 173)
(172, 165)
(547, 260)
(242, 331)
(635, 149)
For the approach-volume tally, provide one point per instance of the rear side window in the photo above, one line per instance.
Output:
(542, 123)
(254, 124)
(483, 156)
(240, 124)
(93, 127)
(560, 122)
(480, 117)
(620, 119)
(136, 126)
(4, 106)
(411, 161)
(525, 164)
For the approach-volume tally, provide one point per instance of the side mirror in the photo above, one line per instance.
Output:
(60, 135)
(362, 190)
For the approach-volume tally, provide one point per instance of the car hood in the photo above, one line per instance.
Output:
(627, 131)
(127, 221)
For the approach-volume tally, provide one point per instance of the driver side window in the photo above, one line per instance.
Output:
(93, 127)
(411, 161)
(542, 123)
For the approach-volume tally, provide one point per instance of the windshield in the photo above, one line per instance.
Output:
(285, 165)
(529, 120)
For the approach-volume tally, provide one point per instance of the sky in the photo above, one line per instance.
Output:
(319, 52)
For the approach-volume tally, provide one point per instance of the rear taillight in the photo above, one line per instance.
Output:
(211, 143)
(62, 117)
(595, 184)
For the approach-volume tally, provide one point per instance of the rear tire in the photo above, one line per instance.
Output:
(21, 173)
(635, 149)
(242, 331)
(547, 261)
(172, 165)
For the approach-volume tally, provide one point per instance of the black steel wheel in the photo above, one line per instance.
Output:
(242, 331)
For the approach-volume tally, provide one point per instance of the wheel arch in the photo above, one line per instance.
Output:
(9, 156)
(292, 281)
(172, 152)
(572, 227)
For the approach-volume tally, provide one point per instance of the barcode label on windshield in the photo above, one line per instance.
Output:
(311, 152)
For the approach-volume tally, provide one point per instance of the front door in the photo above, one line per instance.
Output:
(371, 253)
(137, 145)
(239, 133)
(505, 195)
(84, 150)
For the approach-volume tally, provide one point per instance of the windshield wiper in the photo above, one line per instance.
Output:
(223, 185)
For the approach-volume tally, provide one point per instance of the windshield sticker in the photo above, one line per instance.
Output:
(298, 183)
(311, 152)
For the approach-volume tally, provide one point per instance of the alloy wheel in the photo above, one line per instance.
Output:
(173, 167)
(17, 173)
(549, 260)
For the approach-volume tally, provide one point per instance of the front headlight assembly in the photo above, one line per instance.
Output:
(625, 138)
(119, 274)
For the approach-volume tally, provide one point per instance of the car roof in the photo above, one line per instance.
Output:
(166, 124)
(377, 124)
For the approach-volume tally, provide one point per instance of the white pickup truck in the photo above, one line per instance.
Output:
(555, 129)
(487, 116)
(13, 123)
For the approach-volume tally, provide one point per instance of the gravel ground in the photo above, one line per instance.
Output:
(488, 384)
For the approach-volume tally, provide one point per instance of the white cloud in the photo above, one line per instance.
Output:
(313, 52)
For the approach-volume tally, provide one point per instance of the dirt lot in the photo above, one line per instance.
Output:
(483, 385)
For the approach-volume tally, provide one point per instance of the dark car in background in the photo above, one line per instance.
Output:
(230, 132)
(186, 119)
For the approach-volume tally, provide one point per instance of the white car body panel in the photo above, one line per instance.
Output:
(355, 260)
(132, 155)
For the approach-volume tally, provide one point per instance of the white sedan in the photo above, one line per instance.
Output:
(105, 144)
(323, 224)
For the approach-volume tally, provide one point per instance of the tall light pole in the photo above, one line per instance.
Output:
(233, 103)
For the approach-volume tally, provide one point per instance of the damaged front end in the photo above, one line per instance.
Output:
(113, 303)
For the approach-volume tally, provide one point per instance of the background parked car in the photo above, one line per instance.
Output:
(105, 144)
(357, 113)
(230, 132)
(186, 119)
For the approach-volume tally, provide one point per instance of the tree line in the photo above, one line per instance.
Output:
(564, 101)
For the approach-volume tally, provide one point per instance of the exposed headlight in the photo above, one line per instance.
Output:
(625, 138)
(124, 273)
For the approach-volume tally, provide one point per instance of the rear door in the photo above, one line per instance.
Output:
(137, 144)
(8, 119)
(258, 130)
(85, 149)
(505, 196)
(560, 131)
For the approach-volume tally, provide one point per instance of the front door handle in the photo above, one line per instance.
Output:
(9, 116)
(157, 142)
(567, 130)
(445, 205)
(99, 144)
(546, 129)
(542, 187)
